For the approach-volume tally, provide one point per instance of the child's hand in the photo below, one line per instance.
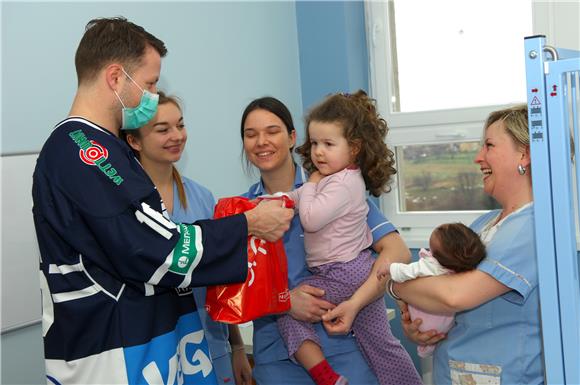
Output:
(384, 270)
(340, 319)
(315, 177)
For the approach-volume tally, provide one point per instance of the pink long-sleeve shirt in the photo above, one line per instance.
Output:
(333, 214)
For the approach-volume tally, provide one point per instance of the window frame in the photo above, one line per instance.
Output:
(433, 127)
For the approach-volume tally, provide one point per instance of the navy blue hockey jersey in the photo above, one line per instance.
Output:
(116, 274)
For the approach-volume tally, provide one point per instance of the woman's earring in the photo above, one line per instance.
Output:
(521, 169)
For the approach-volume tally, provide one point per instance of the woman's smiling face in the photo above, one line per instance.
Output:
(267, 142)
(498, 160)
(163, 139)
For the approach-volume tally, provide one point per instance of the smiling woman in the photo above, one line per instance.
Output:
(505, 156)
(268, 134)
(158, 145)
(503, 288)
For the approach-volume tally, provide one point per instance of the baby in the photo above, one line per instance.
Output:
(454, 248)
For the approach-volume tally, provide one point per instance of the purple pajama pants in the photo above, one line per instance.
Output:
(383, 352)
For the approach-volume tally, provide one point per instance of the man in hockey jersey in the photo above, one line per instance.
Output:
(115, 272)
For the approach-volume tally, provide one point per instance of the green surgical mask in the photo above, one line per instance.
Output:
(137, 117)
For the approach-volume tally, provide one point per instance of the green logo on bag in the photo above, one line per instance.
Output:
(185, 252)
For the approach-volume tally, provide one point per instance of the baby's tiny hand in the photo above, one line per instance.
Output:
(384, 270)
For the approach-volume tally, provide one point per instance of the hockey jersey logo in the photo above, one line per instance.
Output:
(189, 363)
(181, 364)
(94, 154)
(178, 357)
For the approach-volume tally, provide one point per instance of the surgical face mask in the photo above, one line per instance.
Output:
(137, 117)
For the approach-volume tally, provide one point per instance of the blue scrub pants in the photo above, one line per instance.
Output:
(352, 365)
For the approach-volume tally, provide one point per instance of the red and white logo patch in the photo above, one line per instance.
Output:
(93, 153)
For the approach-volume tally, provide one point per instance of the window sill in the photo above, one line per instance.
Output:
(415, 238)
(418, 237)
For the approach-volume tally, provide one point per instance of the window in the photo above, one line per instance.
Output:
(437, 69)
(462, 57)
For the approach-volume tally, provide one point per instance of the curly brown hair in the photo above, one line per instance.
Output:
(362, 127)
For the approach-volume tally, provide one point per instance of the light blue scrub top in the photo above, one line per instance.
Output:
(499, 341)
(268, 344)
(200, 204)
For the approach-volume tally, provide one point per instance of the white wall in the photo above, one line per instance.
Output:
(221, 56)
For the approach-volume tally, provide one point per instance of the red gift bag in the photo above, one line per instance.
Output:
(266, 288)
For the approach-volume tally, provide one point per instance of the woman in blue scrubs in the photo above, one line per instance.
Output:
(159, 145)
(497, 335)
(268, 135)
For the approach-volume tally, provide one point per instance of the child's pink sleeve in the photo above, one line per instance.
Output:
(320, 207)
(295, 196)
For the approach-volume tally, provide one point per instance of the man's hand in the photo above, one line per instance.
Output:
(307, 304)
(411, 328)
(269, 220)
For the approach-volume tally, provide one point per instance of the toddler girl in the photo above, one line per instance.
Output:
(346, 155)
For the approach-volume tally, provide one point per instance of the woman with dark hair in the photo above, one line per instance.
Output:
(268, 136)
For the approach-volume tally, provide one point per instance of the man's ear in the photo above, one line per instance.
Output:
(114, 76)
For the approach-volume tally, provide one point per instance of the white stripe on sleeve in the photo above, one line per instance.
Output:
(77, 294)
(64, 269)
(154, 225)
